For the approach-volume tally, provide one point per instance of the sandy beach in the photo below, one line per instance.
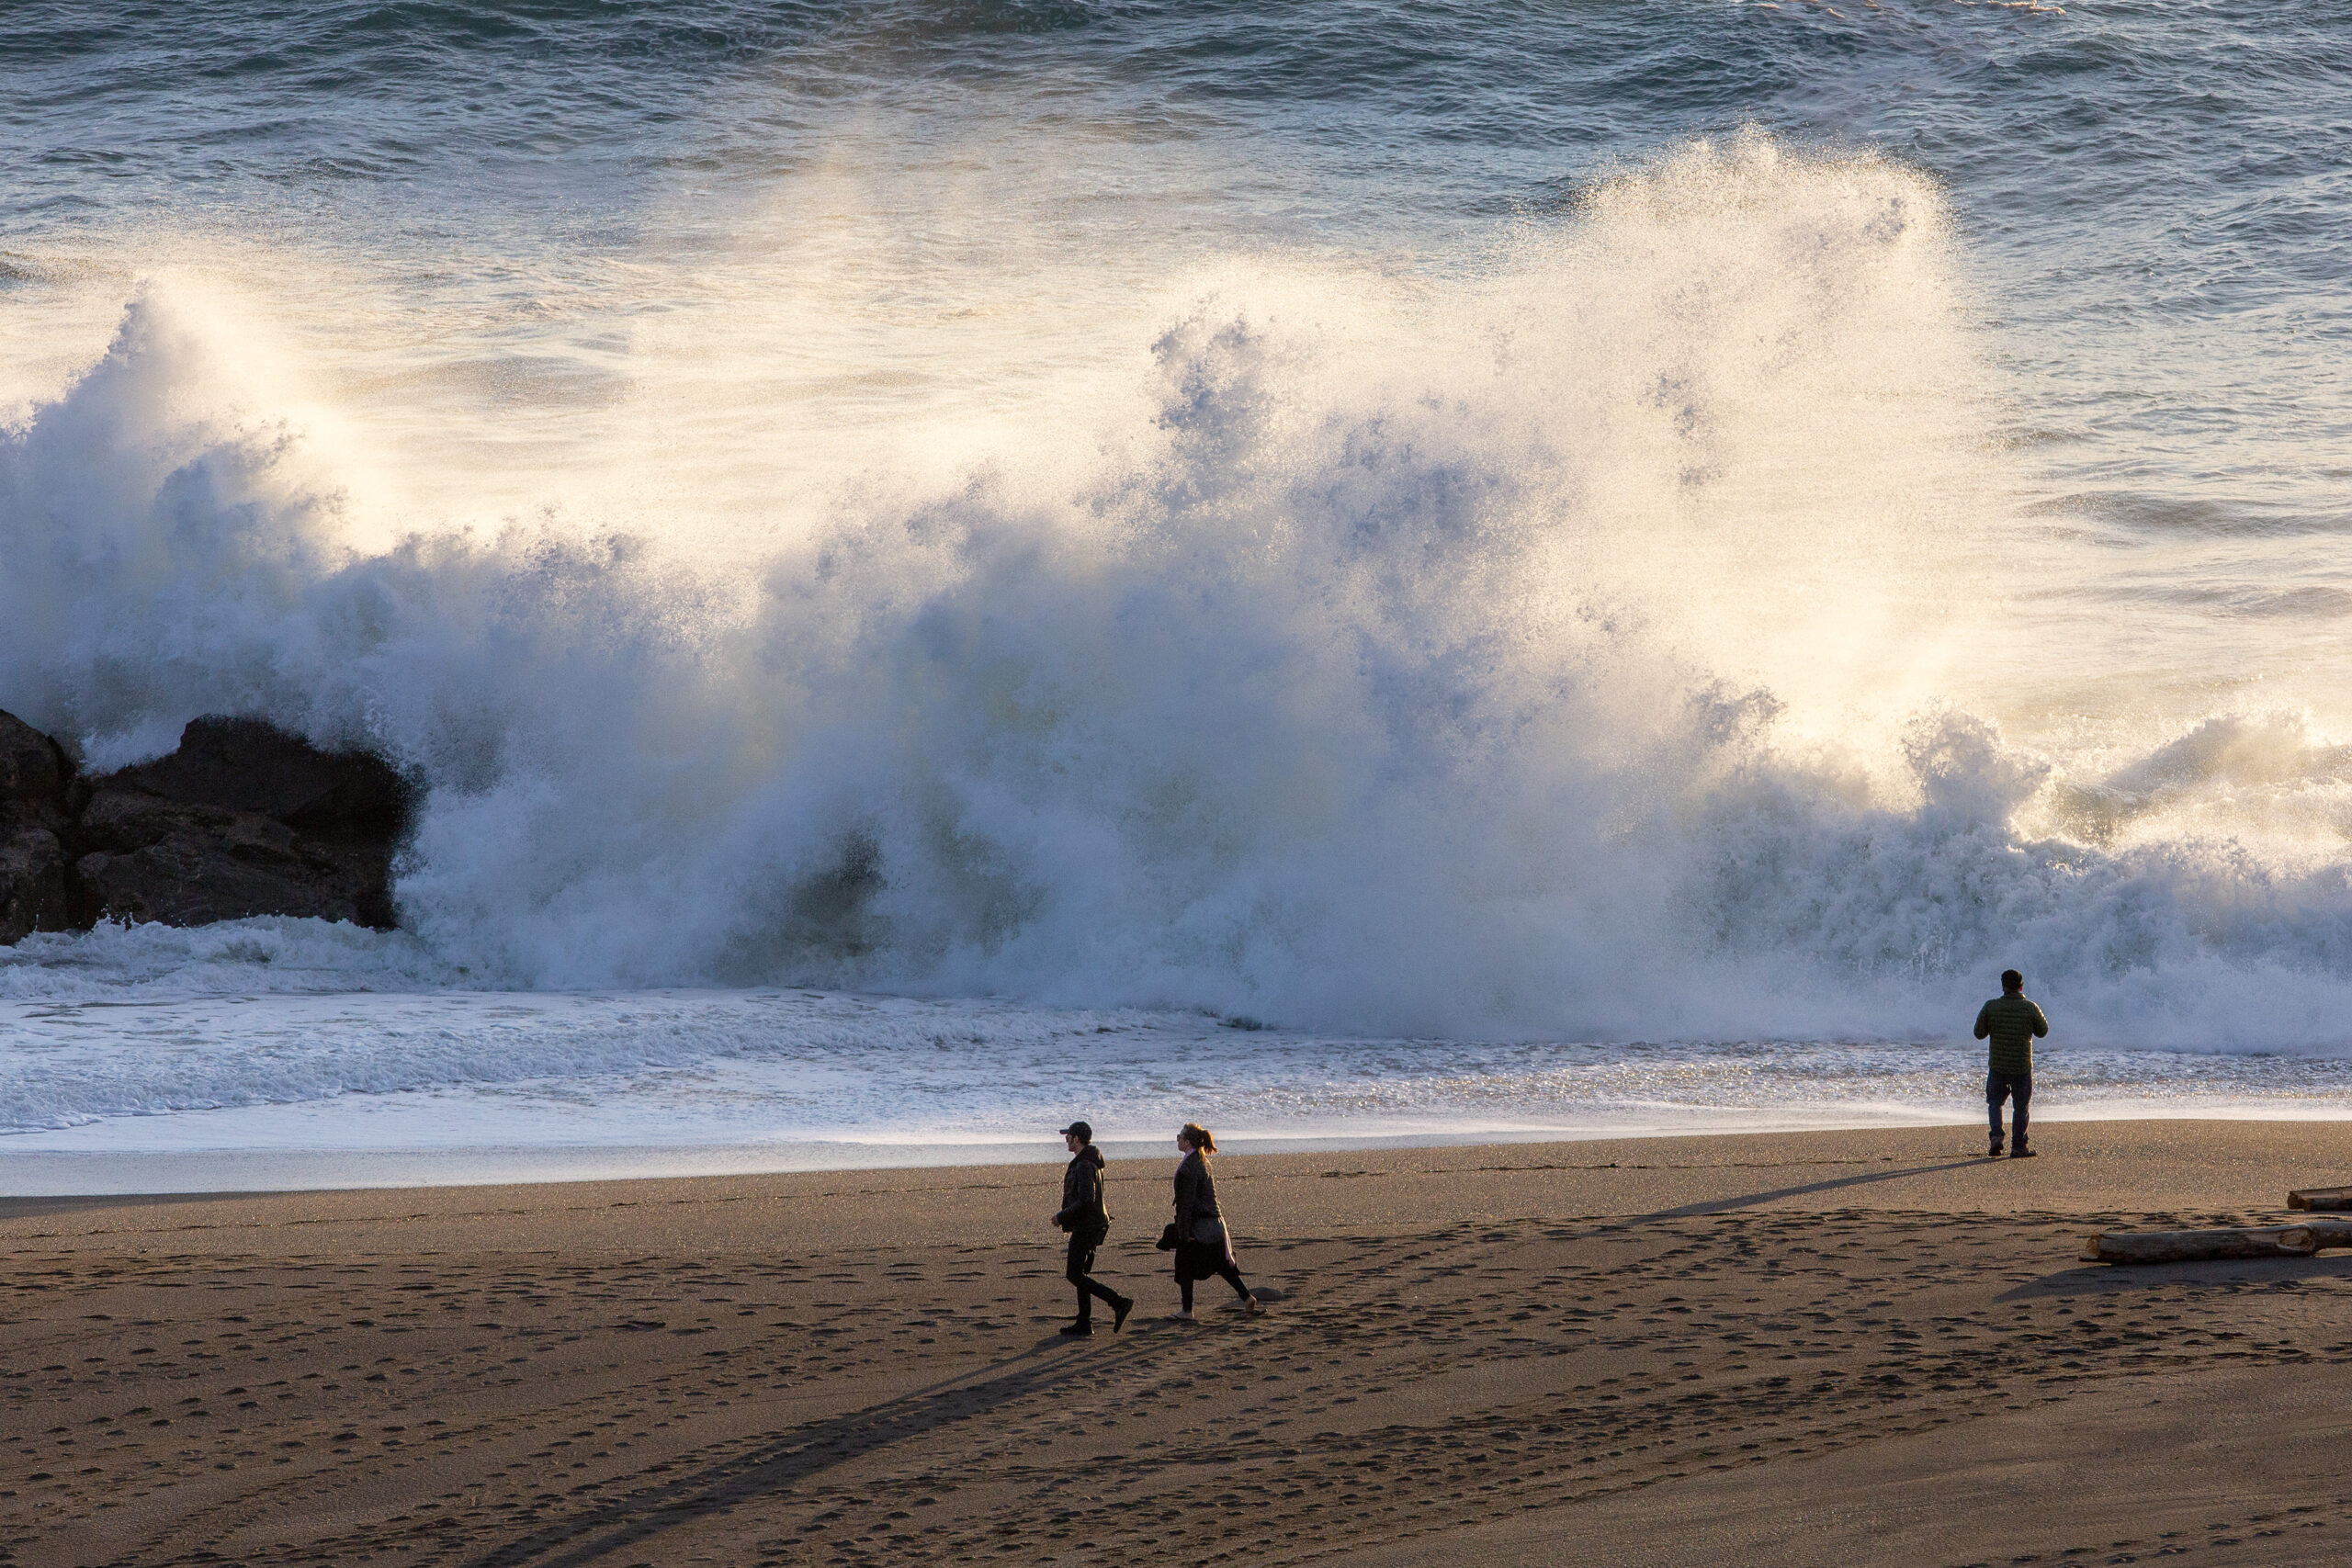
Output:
(1871, 1347)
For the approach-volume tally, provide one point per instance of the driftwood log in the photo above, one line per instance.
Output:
(2320, 1198)
(2197, 1247)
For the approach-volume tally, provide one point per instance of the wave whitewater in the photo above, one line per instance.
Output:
(1573, 648)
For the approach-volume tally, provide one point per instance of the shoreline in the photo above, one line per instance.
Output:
(1793, 1348)
(170, 1173)
(272, 1091)
(2090, 1168)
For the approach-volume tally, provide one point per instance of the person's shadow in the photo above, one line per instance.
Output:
(1750, 1200)
(787, 1458)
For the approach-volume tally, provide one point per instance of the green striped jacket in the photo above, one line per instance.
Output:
(2012, 1024)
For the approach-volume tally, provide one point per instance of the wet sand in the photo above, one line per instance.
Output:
(1851, 1347)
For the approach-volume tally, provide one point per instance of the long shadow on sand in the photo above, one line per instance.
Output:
(792, 1456)
(1749, 1200)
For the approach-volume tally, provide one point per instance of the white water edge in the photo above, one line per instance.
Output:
(253, 1092)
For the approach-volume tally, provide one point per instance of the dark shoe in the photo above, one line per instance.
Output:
(1119, 1310)
(2021, 1152)
(1081, 1329)
(1995, 1151)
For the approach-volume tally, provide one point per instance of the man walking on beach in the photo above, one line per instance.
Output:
(1088, 1220)
(2012, 1024)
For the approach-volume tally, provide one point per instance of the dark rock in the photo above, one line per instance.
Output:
(189, 865)
(243, 819)
(35, 889)
(35, 886)
(245, 764)
(33, 768)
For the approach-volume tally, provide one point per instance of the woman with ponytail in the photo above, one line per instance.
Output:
(1204, 1247)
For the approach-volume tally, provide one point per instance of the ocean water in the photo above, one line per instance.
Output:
(1352, 571)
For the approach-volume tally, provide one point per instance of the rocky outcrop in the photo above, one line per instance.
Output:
(36, 829)
(243, 819)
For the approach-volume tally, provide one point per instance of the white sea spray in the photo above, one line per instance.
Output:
(1572, 650)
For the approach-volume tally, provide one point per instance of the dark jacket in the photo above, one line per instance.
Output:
(1195, 1195)
(2012, 1024)
(1084, 1210)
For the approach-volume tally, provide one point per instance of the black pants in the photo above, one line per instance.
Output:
(1081, 1274)
(1999, 1087)
(1195, 1261)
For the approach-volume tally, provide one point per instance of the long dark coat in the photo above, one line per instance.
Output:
(1196, 1206)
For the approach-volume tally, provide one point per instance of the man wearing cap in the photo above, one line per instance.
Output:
(1088, 1221)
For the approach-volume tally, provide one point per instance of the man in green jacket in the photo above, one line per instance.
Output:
(2012, 1024)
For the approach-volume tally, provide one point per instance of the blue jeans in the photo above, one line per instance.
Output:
(1999, 1087)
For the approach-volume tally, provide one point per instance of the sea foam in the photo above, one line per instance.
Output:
(1574, 646)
